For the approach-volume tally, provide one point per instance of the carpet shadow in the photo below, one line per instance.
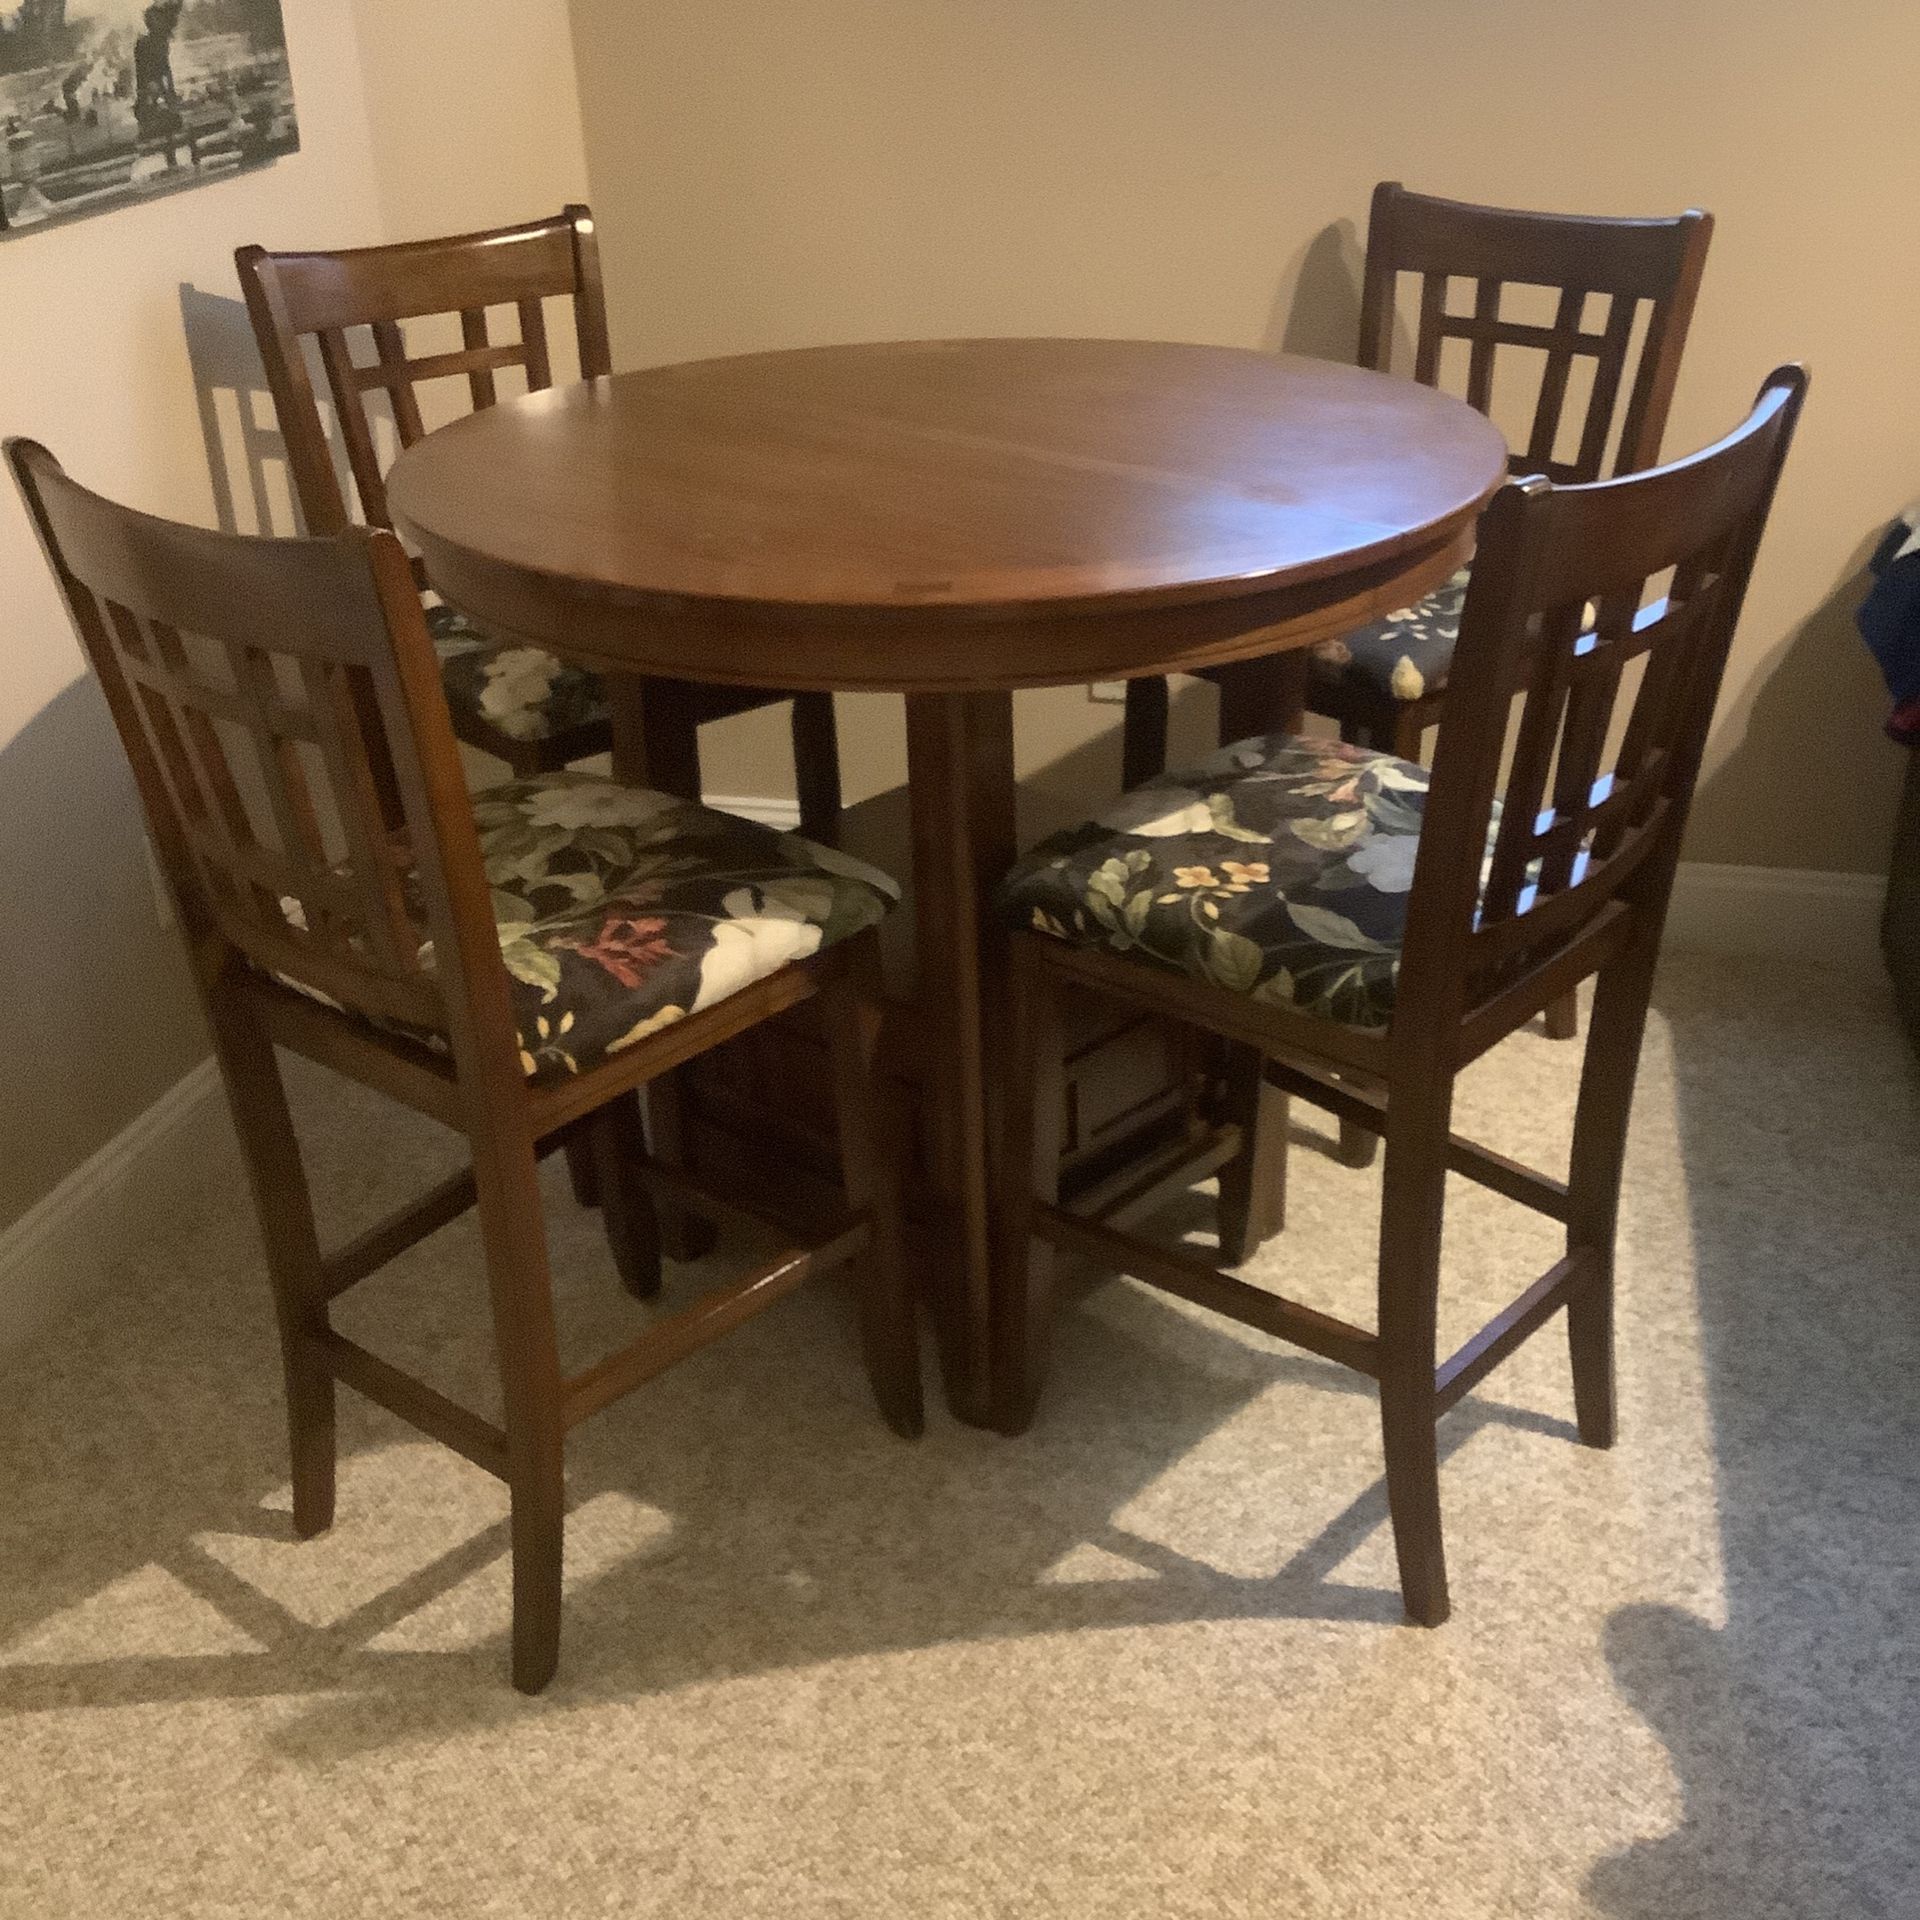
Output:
(1792, 1729)
(770, 1520)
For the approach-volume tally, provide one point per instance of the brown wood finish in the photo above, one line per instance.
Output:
(1630, 264)
(1627, 264)
(960, 751)
(1581, 871)
(1139, 1107)
(240, 674)
(945, 516)
(329, 298)
(950, 520)
(1900, 919)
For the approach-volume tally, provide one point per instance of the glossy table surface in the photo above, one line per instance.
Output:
(904, 514)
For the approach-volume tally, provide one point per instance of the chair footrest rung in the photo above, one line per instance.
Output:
(1457, 1377)
(415, 1402)
(671, 1184)
(1206, 1286)
(368, 1252)
(1143, 1187)
(1513, 1178)
(706, 1320)
(406, 1227)
(1364, 1107)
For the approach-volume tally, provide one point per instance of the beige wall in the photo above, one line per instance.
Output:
(775, 175)
(474, 112)
(99, 1014)
(128, 353)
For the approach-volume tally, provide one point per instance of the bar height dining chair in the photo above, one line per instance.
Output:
(516, 702)
(1605, 387)
(1369, 933)
(514, 964)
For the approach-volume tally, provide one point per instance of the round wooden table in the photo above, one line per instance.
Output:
(952, 520)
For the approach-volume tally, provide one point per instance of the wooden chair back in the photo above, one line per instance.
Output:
(1624, 263)
(329, 297)
(266, 691)
(1594, 638)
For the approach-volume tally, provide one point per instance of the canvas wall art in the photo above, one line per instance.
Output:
(105, 103)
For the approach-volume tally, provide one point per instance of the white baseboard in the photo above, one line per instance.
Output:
(68, 1246)
(784, 814)
(1777, 913)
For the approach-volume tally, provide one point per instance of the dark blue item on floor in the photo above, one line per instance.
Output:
(1889, 621)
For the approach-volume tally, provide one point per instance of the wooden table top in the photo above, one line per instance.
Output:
(948, 481)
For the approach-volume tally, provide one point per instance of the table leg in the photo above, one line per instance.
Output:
(656, 744)
(961, 786)
(1263, 695)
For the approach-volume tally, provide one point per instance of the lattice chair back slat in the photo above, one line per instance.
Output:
(1591, 650)
(1635, 267)
(333, 298)
(242, 675)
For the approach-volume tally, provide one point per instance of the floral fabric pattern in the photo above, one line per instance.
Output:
(524, 692)
(1406, 655)
(621, 910)
(1277, 868)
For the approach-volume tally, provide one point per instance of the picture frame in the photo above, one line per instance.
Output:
(108, 103)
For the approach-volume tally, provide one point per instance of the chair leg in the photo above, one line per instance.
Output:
(1034, 1120)
(1563, 1018)
(537, 1530)
(531, 760)
(583, 1175)
(683, 1235)
(1253, 1184)
(618, 1151)
(669, 739)
(1143, 737)
(816, 766)
(1614, 1034)
(1358, 1145)
(1412, 1208)
(512, 1230)
(1410, 722)
(1590, 1348)
(1262, 696)
(271, 1152)
(870, 1173)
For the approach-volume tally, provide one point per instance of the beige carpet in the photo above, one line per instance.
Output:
(1145, 1661)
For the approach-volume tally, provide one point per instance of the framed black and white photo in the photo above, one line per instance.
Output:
(105, 103)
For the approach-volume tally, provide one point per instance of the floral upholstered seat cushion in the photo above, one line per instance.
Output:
(1278, 868)
(1405, 656)
(524, 692)
(621, 910)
